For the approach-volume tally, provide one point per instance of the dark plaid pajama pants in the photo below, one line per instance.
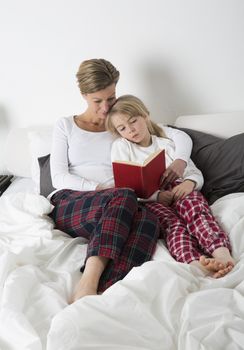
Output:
(190, 228)
(115, 225)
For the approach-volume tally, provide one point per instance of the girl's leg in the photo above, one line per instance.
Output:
(182, 246)
(202, 225)
(197, 215)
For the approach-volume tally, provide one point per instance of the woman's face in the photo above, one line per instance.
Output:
(99, 102)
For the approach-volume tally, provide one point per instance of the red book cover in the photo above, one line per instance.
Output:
(144, 178)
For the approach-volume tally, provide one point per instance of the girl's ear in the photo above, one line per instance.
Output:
(147, 119)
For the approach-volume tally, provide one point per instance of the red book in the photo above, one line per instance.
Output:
(144, 178)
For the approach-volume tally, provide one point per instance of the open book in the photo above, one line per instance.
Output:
(144, 178)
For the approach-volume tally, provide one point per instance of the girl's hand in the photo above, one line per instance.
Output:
(173, 172)
(165, 198)
(182, 190)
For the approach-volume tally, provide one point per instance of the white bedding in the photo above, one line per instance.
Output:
(160, 305)
(21, 184)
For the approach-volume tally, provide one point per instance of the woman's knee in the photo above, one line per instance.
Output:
(124, 195)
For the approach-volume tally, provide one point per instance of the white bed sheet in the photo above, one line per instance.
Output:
(160, 305)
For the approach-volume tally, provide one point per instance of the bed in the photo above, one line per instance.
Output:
(159, 305)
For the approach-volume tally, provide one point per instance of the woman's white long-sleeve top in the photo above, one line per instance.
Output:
(81, 160)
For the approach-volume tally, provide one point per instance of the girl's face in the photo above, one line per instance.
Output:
(133, 129)
(99, 102)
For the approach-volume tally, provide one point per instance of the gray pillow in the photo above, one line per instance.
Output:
(221, 162)
(46, 186)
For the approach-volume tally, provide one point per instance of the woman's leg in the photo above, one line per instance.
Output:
(106, 219)
(102, 217)
(138, 248)
(88, 284)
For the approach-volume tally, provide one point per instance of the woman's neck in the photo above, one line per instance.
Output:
(89, 123)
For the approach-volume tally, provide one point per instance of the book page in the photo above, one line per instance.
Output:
(146, 161)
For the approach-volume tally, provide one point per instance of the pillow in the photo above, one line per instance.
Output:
(221, 162)
(23, 146)
(16, 153)
(40, 145)
(46, 186)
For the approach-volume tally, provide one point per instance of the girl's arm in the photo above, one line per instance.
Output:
(193, 180)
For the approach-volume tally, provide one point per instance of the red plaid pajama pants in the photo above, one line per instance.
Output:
(115, 225)
(190, 228)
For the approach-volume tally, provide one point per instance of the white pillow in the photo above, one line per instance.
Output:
(17, 158)
(222, 125)
(40, 145)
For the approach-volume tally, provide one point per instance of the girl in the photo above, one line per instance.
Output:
(192, 234)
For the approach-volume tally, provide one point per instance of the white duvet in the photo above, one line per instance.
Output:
(160, 305)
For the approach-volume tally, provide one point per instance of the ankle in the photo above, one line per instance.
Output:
(221, 252)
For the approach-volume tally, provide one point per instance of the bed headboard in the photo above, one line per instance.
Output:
(221, 124)
(24, 143)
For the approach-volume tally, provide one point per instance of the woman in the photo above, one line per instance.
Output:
(121, 233)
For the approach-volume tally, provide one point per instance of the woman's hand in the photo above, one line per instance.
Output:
(173, 172)
(182, 190)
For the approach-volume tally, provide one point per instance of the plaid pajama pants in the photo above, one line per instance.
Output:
(190, 228)
(115, 225)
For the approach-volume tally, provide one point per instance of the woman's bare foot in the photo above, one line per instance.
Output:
(89, 281)
(83, 288)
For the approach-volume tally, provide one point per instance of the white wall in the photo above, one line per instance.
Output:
(180, 56)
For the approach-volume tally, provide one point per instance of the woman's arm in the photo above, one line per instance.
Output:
(59, 162)
(182, 141)
(183, 148)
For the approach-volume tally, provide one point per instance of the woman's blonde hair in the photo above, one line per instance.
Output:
(95, 75)
(132, 106)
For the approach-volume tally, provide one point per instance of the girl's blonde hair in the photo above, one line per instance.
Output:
(132, 106)
(95, 75)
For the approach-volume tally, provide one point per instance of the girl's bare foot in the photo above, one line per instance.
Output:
(214, 267)
(219, 265)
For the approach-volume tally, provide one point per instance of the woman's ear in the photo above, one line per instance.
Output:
(84, 96)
